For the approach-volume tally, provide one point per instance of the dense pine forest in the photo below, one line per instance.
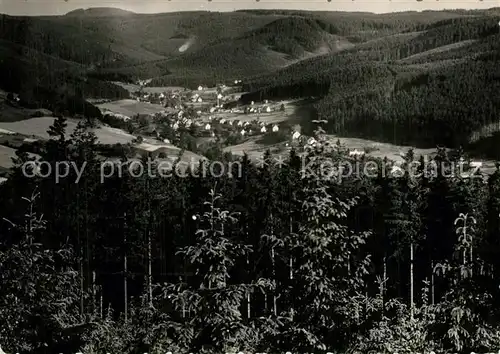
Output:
(418, 87)
(296, 256)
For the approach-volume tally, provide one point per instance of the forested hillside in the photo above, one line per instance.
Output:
(279, 257)
(341, 58)
(434, 86)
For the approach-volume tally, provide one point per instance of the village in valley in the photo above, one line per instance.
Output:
(197, 119)
(166, 123)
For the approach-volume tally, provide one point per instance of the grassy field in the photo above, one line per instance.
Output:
(134, 88)
(253, 149)
(11, 113)
(6, 155)
(38, 127)
(131, 107)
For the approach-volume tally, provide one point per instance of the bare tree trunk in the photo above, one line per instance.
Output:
(471, 259)
(82, 305)
(94, 293)
(464, 261)
(399, 278)
(80, 259)
(384, 280)
(385, 274)
(150, 277)
(249, 301)
(273, 262)
(275, 299)
(100, 302)
(411, 281)
(349, 264)
(291, 268)
(125, 269)
(366, 304)
(432, 282)
(183, 302)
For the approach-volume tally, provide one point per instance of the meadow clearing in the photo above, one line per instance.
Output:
(130, 108)
(38, 127)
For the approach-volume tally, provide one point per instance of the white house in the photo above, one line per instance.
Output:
(219, 96)
(243, 132)
(311, 141)
(212, 109)
(222, 121)
(200, 100)
(252, 103)
(246, 124)
(166, 141)
(263, 130)
(198, 112)
(240, 123)
(268, 109)
(175, 126)
(207, 126)
(230, 122)
(200, 88)
(397, 171)
(266, 101)
(295, 135)
(356, 152)
(275, 128)
(162, 96)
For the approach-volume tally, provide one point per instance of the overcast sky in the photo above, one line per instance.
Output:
(59, 7)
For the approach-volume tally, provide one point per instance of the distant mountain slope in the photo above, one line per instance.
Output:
(45, 81)
(272, 46)
(434, 86)
(105, 39)
(375, 75)
(99, 11)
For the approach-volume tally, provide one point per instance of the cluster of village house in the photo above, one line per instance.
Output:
(178, 118)
(195, 97)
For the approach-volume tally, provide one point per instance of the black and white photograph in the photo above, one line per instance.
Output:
(249, 176)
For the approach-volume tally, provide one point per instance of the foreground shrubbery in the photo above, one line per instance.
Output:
(269, 260)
